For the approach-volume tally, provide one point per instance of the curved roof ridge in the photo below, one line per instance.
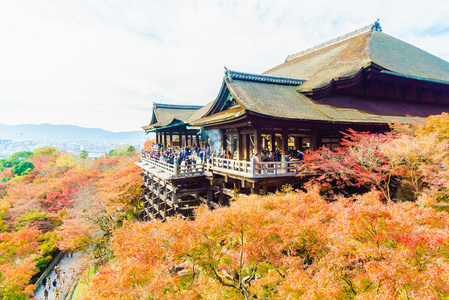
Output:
(262, 78)
(372, 26)
(175, 106)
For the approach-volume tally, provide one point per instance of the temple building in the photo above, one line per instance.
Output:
(363, 80)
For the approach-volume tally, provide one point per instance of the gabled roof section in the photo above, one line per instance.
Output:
(226, 95)
(166, 114)
(347, 55)
(283, 102)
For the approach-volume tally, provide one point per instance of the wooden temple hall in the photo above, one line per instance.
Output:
(363, 80)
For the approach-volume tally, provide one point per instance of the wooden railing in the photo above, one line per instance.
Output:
(253, 170)
(228, 166)
(274, 169)
(160, 165)
(174, 169)
(189, 170)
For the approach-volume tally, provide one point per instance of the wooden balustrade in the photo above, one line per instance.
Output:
(161, 165)
(253, 170)
(229, 166)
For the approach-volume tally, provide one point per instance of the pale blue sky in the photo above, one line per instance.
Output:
(101, 64)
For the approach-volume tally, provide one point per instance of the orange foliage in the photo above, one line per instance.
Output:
(88, 197)
(16, 264)
(289, 246)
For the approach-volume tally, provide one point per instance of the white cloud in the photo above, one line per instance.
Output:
(103, 63)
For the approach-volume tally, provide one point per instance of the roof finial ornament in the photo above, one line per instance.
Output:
(376, 26)
(228, 74)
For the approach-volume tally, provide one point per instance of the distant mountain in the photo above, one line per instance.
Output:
(64, 132)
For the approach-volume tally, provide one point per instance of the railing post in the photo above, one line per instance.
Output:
(253, 168)
(176, 166)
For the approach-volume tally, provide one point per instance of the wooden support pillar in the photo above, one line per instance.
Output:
(183, 137)
(257, 141)
(210, 196)
(239, 146)
(284, 143)
(224, 141)
(255, 189)
(221, 198)
(248, 146)
(237, 186)
(191, 140)
(265, 189)
(171, 139)
(272, 142)
(298, 143)
(314, 140)
(165, 139)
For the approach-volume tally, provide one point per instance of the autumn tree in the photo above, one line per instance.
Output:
(101, 207)
(285, 246)
(17, 266)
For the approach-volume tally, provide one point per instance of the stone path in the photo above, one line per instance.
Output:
(67, 265)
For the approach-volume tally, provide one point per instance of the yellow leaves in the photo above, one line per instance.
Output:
(438, 124)
(65, 159)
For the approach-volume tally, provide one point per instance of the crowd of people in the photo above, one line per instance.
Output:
(292, 155)
(185, 156)
(58, 283)
(196, 155)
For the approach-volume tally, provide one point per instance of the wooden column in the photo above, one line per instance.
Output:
(273, 141)
(284, 144)
(224, 141)
(183, 139)
(191, 140)
(171, 139)
(221, 197)
(248, 146)
(255, 189)
(239, 146)
(257, 141)
(298, 143)
(165, 139)
(210, 196)
(314, 140)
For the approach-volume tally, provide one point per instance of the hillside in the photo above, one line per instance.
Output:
(64, 132)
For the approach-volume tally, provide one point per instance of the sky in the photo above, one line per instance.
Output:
(102, 63)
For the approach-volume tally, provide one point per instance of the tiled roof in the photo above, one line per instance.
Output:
(165, 114)
(284, 102)
(348, 55)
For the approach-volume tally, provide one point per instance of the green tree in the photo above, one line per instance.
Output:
(14, 159)
(22, 168)
(84, 154)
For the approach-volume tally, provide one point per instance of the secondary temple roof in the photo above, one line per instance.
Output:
(168, 114)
